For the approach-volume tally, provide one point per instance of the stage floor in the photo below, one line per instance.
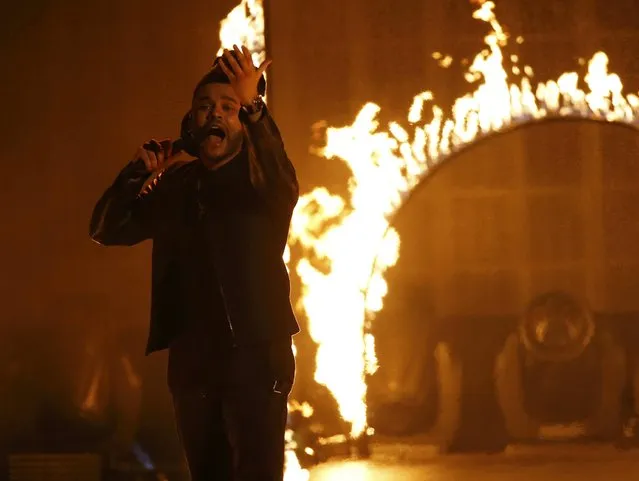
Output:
(549, 463)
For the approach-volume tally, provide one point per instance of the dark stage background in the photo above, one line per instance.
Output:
(84, 83)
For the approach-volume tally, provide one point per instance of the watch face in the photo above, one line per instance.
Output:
(256, 106)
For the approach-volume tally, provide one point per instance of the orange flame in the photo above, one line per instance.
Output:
(244, 25)
(353, 238)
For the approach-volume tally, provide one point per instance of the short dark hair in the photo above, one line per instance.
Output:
(214, 76)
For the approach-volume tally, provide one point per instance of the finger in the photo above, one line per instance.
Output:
(156, 153)
(143, 154)
(262, 68)
(248, 56)
(153, 160)
(237, 70)
(244, 57)
(155, 147)
(227, 71)
(160, 158)
(152, 145)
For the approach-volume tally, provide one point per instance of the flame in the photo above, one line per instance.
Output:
(348, 244)
(294, 472)
(244, 25)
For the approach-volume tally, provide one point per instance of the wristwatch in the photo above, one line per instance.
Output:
(254, 107)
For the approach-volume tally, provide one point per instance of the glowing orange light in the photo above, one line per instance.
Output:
(352, 237)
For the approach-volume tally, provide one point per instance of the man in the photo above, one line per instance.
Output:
(220, 290)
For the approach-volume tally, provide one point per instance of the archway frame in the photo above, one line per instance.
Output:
(445, 160)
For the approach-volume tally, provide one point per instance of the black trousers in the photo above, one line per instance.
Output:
(232, 420)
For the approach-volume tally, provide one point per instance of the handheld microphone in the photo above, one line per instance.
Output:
(178, 145)
(187, 142)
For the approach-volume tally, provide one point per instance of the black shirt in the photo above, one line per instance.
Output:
(194, 356)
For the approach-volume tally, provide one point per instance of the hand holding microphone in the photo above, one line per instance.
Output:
(158, 155)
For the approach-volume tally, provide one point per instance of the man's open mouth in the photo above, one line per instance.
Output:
(217, 132)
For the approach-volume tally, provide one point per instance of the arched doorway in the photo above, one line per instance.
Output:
(547, 207)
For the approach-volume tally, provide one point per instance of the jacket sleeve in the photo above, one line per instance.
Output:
(273, 173)
(123, 215)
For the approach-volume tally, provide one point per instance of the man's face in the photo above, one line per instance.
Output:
(216, 104)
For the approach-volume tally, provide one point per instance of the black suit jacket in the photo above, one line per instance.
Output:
(248, 245)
